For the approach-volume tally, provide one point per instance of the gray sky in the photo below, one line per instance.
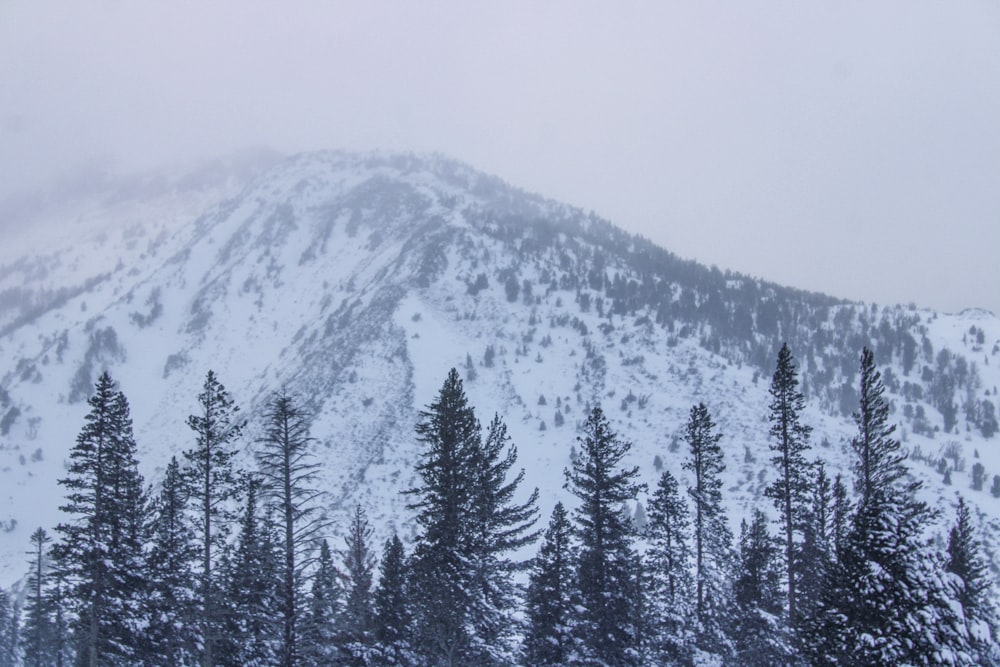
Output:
(847, 147)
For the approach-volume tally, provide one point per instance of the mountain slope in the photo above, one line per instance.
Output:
(356, 281)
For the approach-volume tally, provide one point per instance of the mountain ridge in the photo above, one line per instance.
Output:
(356, 281)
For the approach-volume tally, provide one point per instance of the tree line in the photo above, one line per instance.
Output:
(229, 567)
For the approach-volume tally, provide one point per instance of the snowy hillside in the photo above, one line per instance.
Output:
(357, 281)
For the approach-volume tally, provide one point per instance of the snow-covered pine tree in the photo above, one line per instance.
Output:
(173, 555)
(789, 490)
(38, 632)
(965, 561)
(317, 642)
(441, 575)
(711, 536)
(252, 620)
(392, 614)
(461, 590)
(816, 558)
(761, 636)
(603, 627)
(549, 606)
(669, 556)
(498, 525)
(212, 486)
(100, 554)
(893, 607)
(355, 627)
(288, 472)
(9, 630)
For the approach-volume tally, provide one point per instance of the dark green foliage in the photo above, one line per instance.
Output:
(288, 473)
(760, 635)
(100, 553)
(251, 615)
(978, 476)
(879, 463)
(172, 631)
(317, 642)
(604, 627)
(711, 536)
(789, 441)
(212, 486)
(549, 635)
(9, 630)
(355, 627)
(669, 558)
(38, 638)
(965, 561)
(392, 615)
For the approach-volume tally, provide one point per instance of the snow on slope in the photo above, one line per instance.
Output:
(352, 282)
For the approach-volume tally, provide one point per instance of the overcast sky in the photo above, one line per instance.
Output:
(847, 147)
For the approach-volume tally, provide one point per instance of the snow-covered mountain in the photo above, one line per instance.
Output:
(357, 281)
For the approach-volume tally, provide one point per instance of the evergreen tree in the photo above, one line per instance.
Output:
(669, 561)
(712, 539)
(172, 630)
(38, 634)
(322, 610)
(100, 555)
(440, 574)
(499, 525)
(252, 637)
(392, 614)
(760, 636)
(549, 635)
(965, 561)
(891, 604)
(816, 557)
(790, 440)
(604, 564)
(212, 486)
(461, 587)
(289, 476)
(9, 630)
(879, 463)
(356, 624)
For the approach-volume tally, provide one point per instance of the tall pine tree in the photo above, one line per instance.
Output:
(761, 637)
(289, 474)
(604, 626)
(712, 539)
(549, 635)
(317, 643)
(100, 553)
(392, 613)
(669, 555)
(790, 441)
(38, 633)
(356, 624)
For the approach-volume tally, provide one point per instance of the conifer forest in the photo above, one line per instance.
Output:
(214, 565)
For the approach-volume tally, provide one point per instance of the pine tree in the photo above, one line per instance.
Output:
(761, 638)
(461, 588)
(668, 533)
(790, 441)
(816, 557)
(100, 554)
(603, 628)
(712, 539)
(499, 525)
(891, 605)
(440, 574)
(9, 630)
(212, 486)
(317, 642)
(172, 558)
(38, 633)
(356, 623)
(252, 636)
(965, 561)
(392, 614)
(289, 475)
(879, 463)
(549, 635)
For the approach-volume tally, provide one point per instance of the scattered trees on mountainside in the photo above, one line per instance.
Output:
(222, 566)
